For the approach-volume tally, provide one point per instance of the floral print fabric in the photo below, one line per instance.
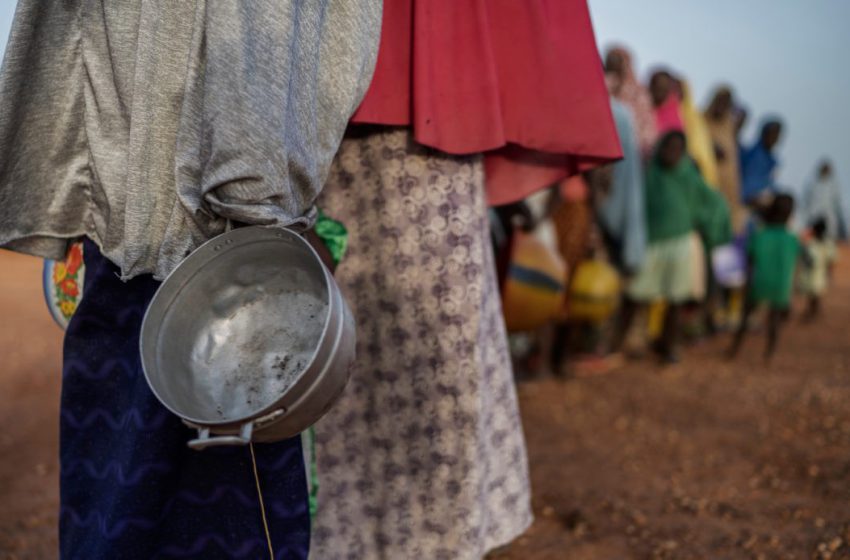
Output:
(63, 284)
(424, 456)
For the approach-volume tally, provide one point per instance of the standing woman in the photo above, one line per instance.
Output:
(722, 125)
(144, 128)
(759, 163)
(472, 102)
(620, 210)
(625, 87)
(700, 144)
(822, 201)
(666, 102)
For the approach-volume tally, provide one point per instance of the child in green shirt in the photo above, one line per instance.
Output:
(678, 204)
(772, 252)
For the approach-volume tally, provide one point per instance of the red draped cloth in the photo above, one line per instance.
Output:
(520, 80)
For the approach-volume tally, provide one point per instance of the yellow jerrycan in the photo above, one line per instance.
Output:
(535, 286)
(594, 292)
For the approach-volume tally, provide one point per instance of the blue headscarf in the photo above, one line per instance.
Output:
(758, 165)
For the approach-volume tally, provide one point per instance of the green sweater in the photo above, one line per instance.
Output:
(773, 252)
(678, 201)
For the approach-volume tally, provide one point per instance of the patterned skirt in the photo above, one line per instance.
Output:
(130, 488)
(424, 455)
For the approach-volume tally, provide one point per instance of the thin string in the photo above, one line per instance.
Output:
(262, 505)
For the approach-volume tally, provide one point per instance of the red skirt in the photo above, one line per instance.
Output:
(520, 80)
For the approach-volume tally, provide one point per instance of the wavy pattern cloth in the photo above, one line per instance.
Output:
(130, 488)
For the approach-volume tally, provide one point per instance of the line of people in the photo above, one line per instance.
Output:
(693, 221)
(167, 124)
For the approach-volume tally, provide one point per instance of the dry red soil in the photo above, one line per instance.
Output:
(709, 459)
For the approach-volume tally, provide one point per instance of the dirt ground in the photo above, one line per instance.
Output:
(705, 460)
(30, 374)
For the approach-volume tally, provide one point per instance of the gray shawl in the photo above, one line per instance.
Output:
(148, 125)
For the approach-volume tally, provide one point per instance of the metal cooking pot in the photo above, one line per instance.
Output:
(249, 338)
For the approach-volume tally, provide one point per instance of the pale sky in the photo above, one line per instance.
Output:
(790, 57)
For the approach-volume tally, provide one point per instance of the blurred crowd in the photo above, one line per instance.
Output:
(687, 236)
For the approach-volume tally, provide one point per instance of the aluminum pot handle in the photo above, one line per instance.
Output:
(204, 440)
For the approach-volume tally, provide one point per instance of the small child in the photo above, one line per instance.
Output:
(678, 205)
(772, 252)
(818, 254)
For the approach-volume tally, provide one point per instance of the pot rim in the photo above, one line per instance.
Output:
(185, 272)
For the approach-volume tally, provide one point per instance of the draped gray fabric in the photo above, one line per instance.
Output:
(147, 124)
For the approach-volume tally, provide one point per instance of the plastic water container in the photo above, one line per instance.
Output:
(729, 265)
